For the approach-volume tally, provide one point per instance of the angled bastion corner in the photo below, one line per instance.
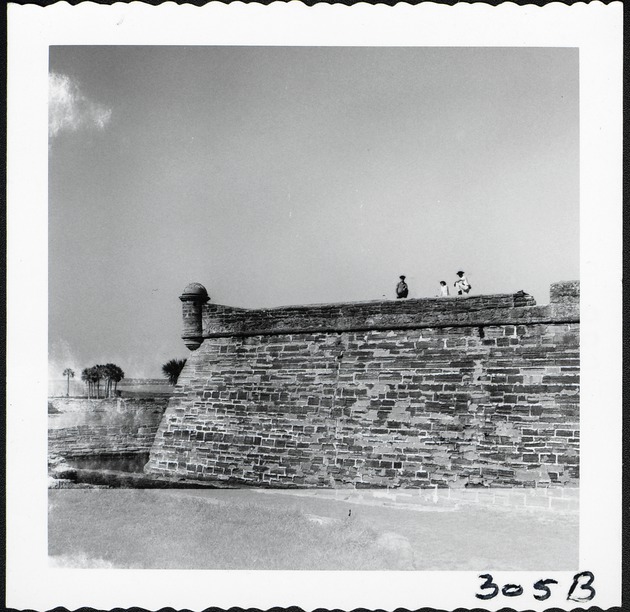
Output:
(478, 390)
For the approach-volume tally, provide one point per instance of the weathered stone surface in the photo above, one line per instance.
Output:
(565, 291)
(472, 391)
(219, 321)
(82, 427)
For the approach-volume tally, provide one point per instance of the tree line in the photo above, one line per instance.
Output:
(109, 374)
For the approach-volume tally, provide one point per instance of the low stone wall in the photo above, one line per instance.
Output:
(78, 427)
(474, 391)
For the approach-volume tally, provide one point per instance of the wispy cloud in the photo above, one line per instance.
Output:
(70, 110)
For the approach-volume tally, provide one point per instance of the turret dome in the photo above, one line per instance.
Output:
(195, 291)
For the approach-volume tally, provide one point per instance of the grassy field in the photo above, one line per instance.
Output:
(245, 529)
(156, 529)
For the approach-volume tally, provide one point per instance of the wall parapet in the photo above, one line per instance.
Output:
(470, 311)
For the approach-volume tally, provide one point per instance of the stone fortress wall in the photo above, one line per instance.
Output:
(83, 428)
(462, 391)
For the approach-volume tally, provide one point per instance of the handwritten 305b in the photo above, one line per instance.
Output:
(581, 588)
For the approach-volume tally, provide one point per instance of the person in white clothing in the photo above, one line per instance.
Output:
(462, 286)
(443, 289)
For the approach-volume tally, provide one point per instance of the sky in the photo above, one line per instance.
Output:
(297, 175)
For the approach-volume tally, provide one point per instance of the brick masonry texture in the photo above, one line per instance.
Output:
(85, 428)
(475, 391)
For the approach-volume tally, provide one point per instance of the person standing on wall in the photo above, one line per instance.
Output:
(443, 289)
(462, 286)
(402, 290)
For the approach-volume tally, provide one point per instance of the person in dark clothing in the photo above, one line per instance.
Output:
(402, 291)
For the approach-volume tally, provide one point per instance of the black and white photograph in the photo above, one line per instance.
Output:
(431, 417)
(328, 308)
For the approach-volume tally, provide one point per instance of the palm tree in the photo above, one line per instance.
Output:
(116, 375)
(108, 371)
(94, 380)
(86, 378)
(172, 369)
(68, 373)
(112, 373)
(100, 373)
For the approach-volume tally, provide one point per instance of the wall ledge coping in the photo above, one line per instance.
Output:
(473, 311)
(401, 303)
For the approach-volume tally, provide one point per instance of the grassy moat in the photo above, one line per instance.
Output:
(303, 530)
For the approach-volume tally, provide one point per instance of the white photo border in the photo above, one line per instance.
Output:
(595, 28)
